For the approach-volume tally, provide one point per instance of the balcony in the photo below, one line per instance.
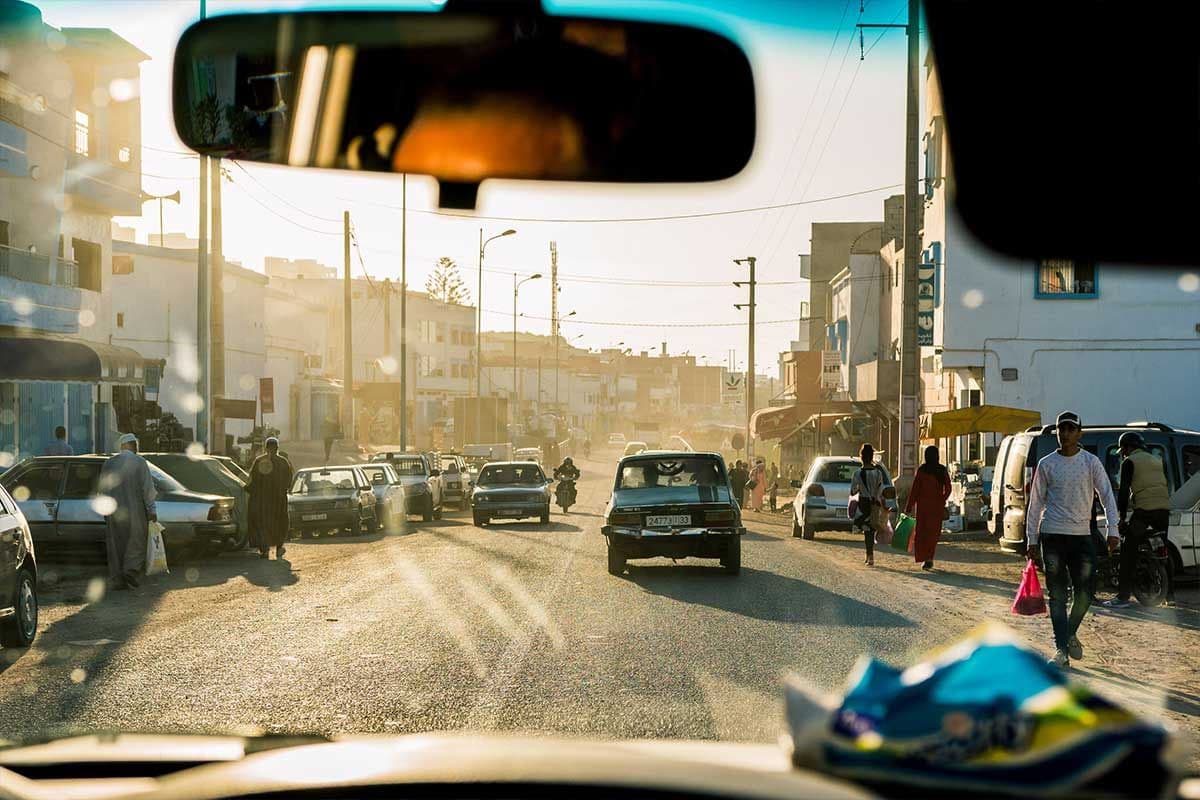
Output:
(877, 381)
(35, 268)
(104, 187)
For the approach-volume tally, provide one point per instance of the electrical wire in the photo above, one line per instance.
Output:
(288, 220)
(285, 201)
(576, 321)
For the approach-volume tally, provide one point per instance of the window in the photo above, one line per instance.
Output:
(683, 472)
(454, 336)
(1113, 460)
(1191, 461)
(36, 483)
(82, 133)
(1065, 277)
(125, 155)
(87, 255)
(122, 264)
(4, 232)
(440, 329)
(120, 319)
(82, 480)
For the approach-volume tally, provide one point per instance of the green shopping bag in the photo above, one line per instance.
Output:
(902, 540)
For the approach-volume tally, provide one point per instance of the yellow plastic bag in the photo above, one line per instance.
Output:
(156, 550)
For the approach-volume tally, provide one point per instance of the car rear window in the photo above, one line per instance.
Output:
(324, 482)
(654, 473)
(836, 472)
(502, 474)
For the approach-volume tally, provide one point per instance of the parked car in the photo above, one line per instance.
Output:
(389, 494)
(209, 475)
(57, 495)
(616, 439)
(331, 498)
(676, 505)
(234, 467)
(18, 576)
(825, 492)
(633, 448)
(533, 454)
(422, 485)
(1183, 535)
(511, 490)
(1019, 454)
(457, 480)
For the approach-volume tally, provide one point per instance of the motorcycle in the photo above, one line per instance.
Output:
(1150, 577)
(565, 493)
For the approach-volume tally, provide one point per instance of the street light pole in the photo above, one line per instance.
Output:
(483, 243)
(516, 289)
(750, 260)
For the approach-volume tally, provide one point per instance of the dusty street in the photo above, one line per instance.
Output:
(519, 627)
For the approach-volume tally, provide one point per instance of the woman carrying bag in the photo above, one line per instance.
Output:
(868, 484)
(930, 489)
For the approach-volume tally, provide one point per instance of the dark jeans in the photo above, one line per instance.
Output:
(1069, 562)
(1140, 521)
(862, 518)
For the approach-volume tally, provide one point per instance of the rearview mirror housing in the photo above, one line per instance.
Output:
(465, 96)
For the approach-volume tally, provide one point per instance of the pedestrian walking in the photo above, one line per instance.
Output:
(1058, 531)
(1144, 488)
(126, 479)
(329, 432)
(758, 485)
(930, 489)
(774, 496)
(738, 477)
(59, 447)
(868, 483)
(270, 478)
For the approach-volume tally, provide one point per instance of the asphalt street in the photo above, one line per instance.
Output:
(514, 627)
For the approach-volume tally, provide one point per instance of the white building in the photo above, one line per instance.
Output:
(1113, 343)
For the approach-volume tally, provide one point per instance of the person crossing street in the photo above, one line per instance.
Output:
(1058, 531)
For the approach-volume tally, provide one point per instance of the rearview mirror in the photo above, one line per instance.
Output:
(467, 96)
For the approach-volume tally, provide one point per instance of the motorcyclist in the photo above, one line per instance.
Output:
(1143, 488)
(566, 471)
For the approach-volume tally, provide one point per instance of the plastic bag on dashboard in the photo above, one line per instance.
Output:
(985, 716)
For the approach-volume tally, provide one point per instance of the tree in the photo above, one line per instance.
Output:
(445, 283)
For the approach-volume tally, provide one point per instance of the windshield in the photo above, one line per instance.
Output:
(670, 472)
(831, 294)
(511, 474)
(333, 481)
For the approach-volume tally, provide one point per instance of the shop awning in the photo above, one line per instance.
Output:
(978, 419)
(37, 358)
(774, 422)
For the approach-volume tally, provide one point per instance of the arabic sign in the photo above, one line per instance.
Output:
(266, 395)
(831, 369)
(927, 293)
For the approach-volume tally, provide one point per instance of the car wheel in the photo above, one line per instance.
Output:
(797, 531)
(807, 531)
(480, 519)
(616, 561)
(546, 514)
(732, 562)
(19, 629)
(427, 511)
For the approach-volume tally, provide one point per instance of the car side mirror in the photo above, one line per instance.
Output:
(797, 484)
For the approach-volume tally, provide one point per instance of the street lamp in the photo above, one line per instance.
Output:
(483, 243)
(146, 198)
(516, 289)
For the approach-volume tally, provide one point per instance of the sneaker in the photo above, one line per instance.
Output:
(1060, 660)
(1075, 649)
(1117, 602)
(927, 566)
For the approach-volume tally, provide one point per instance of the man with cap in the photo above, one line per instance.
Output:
(1058, 530)
(1144, 487)
(270, 478)
(126, 479)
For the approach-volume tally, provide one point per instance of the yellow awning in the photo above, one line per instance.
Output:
(978, 419)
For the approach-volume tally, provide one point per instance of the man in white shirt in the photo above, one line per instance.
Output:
(1058, 530)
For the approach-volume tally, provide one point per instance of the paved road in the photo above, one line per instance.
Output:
(512, 627)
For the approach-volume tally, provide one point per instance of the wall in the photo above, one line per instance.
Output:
(829, 254)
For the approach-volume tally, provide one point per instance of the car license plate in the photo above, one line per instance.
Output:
(666, 520)
(311, 517)
(512, 511)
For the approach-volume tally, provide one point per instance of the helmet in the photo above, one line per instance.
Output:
(568, 460)
(1132, 440)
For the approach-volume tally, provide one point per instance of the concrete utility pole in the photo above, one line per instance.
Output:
(348, 337)
(217, 313)
(202, 291)
(403, 312)
(483, 243)
(910, 351)
(516, 387)
(750, 260)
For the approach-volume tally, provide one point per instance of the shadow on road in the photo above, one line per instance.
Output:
(1179, 616)
(499, 554)
(1179, 702)
(760, 595)
(341, 538)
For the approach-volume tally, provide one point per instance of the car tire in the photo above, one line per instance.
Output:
(546, 515)
(427, 511)
(807, 531)
(20, 629)
(797, 531)
(732, 560)
(479, 519)
(616, 561)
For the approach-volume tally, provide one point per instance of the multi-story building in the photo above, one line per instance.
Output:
(70, 159)
(1111, 342)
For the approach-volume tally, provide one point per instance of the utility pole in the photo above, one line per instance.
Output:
(403, 312)
(483, 243)
(910, 351)
(202, 291)
(750, 260)
(217, 314)
(347, 337)
(553, 320)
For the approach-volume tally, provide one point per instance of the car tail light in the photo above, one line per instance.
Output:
(624, 519)
(719, 516)
(815, 490)
(220, 512)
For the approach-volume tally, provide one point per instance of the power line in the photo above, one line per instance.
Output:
(576, 321)
(285, 201)
(288, 220)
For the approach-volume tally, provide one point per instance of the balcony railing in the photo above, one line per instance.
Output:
(35, 268)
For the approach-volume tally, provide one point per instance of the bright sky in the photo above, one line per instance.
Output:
(829, 124)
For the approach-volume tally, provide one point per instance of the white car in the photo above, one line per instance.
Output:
(533, 454)
(1184, 530)
(389, 494)
(825, 492)
(616, 439)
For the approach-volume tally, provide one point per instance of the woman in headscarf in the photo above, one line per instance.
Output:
(931, 487)
(758, 477)
(270, 478)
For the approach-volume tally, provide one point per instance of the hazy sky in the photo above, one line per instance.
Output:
(800, 155)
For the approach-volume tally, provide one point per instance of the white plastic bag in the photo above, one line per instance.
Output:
(156, 550)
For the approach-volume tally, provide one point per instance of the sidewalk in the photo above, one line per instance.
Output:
(1146, 658)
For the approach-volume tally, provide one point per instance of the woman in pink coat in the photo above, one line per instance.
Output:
(759, 476)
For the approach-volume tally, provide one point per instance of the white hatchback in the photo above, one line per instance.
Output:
(825, 492)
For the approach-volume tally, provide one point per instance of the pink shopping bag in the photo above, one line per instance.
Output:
(1029, 601)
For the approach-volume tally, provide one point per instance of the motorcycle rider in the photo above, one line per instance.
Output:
(566, 471)
(1144, 487)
